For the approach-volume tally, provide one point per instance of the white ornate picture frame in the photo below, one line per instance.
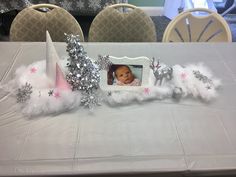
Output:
(139, 65)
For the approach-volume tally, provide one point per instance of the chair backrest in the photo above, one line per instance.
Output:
(198, 25)
(112, 25)
(32, 22)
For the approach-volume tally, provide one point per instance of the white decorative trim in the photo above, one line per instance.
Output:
(141, 61)
(153, 11)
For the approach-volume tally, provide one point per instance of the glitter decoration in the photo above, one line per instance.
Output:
(208, 87)
(183, 76)
(202, 77)
(56, 94)
(160, 72)
(146, 91)
(33, 70)
(103, 62)
(83, 75)
(50, 93)
(109, 93)
(177, 93)
(24, 93)
(90, 100)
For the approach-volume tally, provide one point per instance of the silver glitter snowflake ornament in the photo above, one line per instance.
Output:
(104, 62)
(24, 93)
(204, 79)
(177, 93)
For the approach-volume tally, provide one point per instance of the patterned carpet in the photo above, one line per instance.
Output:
(231, 19)
(161, 23)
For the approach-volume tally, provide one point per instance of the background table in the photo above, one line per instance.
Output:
(189, 137)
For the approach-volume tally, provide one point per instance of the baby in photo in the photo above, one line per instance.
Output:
(125, 77)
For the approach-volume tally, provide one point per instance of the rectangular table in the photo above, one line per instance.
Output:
(189, 137)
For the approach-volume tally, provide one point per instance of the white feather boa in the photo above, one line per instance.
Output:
(183, 79)
(40, 103)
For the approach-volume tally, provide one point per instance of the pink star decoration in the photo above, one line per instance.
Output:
(146, 91)
(33, 70)
(56, 94)
(183, 76)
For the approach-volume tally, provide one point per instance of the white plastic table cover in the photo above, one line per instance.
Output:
(185, 137)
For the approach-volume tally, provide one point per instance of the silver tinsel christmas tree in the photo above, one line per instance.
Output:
(84, 75)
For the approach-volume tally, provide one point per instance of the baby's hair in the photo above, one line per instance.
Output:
(119, 66)
(110, 73)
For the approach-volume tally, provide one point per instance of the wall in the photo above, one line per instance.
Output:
(151, 7)
(147, 2)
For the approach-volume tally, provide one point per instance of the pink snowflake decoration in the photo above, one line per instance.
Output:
(56, 94)
(183, 76)
(33, 70)
(146, 91)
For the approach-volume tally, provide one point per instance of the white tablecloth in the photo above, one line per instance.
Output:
(171, 6)
(186, 137)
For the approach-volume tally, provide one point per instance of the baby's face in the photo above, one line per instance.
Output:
(124, 75)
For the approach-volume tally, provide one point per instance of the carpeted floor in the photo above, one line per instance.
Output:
(231, 19)
(161, 23)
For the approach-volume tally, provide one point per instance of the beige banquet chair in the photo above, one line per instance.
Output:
(198, 25)
(32, 22)
(112, 25)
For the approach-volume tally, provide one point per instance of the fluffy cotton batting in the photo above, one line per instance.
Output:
(182, 78)
(45, 99)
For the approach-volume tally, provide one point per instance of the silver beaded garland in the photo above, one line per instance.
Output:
(204, 79)
(104, 62)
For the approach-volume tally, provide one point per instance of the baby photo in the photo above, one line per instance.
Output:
(125, 75)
